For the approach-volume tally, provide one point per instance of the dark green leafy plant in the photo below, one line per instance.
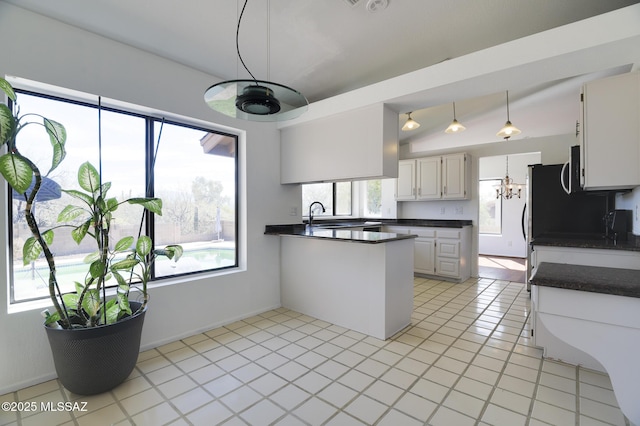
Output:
(128, 263)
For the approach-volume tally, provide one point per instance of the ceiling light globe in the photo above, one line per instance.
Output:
(455, 127)
(508, 130)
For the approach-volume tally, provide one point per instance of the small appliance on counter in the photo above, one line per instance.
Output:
(617, 224)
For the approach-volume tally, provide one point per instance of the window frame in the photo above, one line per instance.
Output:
(499, 204)
(151, 118)
(334, 201)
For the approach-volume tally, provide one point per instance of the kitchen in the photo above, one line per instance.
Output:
(598, 217)
(256, 289)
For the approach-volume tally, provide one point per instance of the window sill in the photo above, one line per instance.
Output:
(42, 304)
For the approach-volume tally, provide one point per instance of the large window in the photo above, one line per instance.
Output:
(490, 214)
(195, 174)
(359, 198)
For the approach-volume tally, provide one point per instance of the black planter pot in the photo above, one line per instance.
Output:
(94, 360)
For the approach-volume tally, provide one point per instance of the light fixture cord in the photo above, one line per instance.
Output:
(454, 110)
(238, 43)
(508, 119)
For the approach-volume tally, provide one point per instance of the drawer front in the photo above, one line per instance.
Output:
(448, 267)
(449, 248)
(449, 233)
(396, 229)
(423, 232)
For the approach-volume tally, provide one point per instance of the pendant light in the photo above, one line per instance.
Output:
(254, 100)
(509, 129)
(410, 124)
(455, 126)
(508, 188)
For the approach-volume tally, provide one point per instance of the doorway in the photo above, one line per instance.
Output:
(502, 222)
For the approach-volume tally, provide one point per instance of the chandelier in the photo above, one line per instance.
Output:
(508, 188)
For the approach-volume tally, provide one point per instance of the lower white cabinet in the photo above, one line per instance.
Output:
(441, 252)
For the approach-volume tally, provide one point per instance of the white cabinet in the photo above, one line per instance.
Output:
(429, 178)
(356, 145)
(448, 253)
(433, 178)
(454, 176)
(406, 183)
(441, 252)
(611, 132)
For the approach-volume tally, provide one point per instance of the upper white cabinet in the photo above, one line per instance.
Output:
(611, 132)
(433, 178)
(455, 176)
(406, 187)
(356, 145)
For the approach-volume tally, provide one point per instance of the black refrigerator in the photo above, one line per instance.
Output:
(552, 212)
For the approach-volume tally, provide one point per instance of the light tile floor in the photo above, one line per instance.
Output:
(466, 359)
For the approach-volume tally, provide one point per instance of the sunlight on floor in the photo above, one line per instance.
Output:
(502, 263)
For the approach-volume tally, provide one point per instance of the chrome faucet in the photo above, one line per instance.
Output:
(311, 211)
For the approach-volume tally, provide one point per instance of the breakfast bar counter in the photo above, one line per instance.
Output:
(359, 280)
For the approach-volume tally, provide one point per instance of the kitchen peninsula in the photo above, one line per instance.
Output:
(360, 280)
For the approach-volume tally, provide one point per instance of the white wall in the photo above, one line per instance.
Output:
(45, 50)
(553, 149)
(511, 241)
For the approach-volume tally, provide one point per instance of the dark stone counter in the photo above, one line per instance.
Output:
(345, 235)
(595, 279)
(431, 223)
(632, 243)
(324, 231)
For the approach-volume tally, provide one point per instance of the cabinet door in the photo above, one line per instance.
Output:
(611, 109)
(406, 182)
(454, 176)
(448, 267)
(424, 255)
(429, 174)
(449, 248)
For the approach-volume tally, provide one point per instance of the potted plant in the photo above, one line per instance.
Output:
(94, 334)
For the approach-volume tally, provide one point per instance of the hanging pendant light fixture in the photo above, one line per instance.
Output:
(509, 129)
(455, 126)
(508, 188)
(255, 100)
(410, 124)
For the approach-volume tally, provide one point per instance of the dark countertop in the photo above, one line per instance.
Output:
(595, 279)
(432, 223)
(344, 235)
(299, 229)
(591, 241)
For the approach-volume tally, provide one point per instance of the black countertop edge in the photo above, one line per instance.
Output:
(345, 235)
(632, 243)
(594, 279)
(432, 223)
